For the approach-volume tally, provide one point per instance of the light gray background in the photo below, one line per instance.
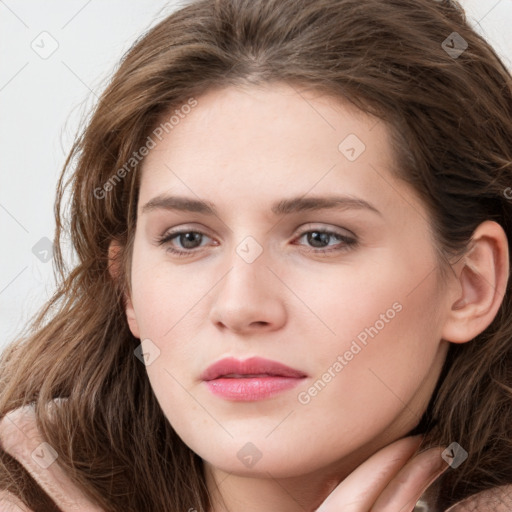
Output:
(42, 99)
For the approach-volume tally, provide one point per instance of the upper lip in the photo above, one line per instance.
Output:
(253, 365)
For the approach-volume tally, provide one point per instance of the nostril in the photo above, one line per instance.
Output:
(260, 323)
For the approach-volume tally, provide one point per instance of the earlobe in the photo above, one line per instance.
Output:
(482, 276)
(131, 318)
(114, 263)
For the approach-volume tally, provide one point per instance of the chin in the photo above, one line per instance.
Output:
(257, 459)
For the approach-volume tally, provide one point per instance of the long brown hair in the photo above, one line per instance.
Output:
(450, 117)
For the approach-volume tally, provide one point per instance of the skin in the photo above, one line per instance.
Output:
(243, 149)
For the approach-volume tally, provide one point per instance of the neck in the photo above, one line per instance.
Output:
(261, 492)
(234, 493)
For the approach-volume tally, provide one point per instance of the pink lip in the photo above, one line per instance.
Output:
(267, 378)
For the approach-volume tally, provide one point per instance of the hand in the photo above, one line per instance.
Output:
(389, 481)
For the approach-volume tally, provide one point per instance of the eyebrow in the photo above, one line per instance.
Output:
(280, 208)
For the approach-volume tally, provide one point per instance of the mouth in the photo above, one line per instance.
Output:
(249, 380)
(230, 367)
(248, 376)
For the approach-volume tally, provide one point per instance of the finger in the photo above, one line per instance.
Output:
(406, 488)
(359, 490)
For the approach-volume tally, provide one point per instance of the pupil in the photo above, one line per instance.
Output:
(189, 237)
(315, 236)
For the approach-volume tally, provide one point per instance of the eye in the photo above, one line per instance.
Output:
(319, 238)
(187, 238)
(190, 241)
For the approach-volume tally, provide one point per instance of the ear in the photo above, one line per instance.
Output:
(482, 280)
(114, 268)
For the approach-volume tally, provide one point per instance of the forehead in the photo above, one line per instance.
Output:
(272, 140)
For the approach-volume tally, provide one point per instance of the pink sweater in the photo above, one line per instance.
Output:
(20, 438)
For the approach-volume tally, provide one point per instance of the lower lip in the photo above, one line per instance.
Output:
(251, 388)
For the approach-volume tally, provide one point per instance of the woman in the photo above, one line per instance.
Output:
(292, 290)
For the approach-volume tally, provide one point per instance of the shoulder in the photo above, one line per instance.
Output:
(21, 438)
(497, 499)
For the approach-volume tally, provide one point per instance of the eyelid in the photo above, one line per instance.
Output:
(310, 226)
(184, 228)
(345, 243)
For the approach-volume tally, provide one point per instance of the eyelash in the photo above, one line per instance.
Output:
(348, 242)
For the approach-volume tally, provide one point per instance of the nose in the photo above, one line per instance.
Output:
(249, 298)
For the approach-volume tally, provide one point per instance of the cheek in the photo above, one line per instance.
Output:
(164, 296)
(168, 309)
(384, 303)
(385, 338)
(383, 310)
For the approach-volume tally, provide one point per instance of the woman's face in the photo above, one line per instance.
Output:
(361, 322)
